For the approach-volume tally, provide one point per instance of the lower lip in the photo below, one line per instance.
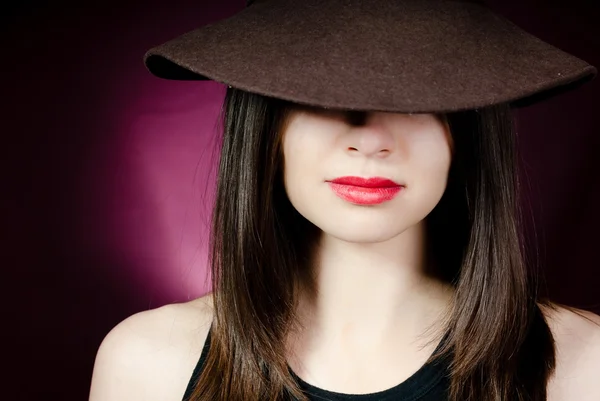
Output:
(364, 195)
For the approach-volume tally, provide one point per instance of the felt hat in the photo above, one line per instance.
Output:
(375, 55)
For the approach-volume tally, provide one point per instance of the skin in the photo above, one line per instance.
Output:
(376, 251)
(373, 251)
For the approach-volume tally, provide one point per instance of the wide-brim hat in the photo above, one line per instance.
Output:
(379, 55)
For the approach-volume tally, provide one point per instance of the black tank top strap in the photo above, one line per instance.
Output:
(198, 369)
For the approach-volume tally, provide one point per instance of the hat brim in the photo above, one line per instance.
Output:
(402, 56)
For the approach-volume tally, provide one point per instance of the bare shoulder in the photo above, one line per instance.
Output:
(577, 336)
(151, 355)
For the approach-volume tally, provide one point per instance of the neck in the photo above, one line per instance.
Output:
(370, 292)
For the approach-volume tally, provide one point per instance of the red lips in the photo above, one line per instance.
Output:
(373, 182)
(365, 191)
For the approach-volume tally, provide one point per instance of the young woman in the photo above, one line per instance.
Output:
(366, 238)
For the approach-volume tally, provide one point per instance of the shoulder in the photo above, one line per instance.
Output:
(151, 355)
(577, 336)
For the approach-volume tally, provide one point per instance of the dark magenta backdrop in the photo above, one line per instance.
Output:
(106, 178)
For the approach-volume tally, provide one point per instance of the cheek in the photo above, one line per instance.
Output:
(432, 151)
(300, 164)
(435, 164)
(429, 165)
(304, 159)
(305, 145)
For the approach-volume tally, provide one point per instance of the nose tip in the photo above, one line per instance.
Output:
(370, 151)
(372, 138)
(370, 145)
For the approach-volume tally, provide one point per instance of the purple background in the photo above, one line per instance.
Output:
(106, 176)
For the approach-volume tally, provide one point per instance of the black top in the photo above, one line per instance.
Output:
(429, 383)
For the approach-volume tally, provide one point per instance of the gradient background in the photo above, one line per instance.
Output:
(106, 176)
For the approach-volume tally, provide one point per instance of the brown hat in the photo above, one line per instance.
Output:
(379, 55)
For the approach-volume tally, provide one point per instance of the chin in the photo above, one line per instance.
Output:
(363, 234)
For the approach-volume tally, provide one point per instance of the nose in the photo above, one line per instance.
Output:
(369, 135)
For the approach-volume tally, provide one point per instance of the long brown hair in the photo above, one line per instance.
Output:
(499, 345)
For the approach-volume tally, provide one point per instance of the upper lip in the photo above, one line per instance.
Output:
(371, 182)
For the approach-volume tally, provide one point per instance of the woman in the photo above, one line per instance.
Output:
(366, 232)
